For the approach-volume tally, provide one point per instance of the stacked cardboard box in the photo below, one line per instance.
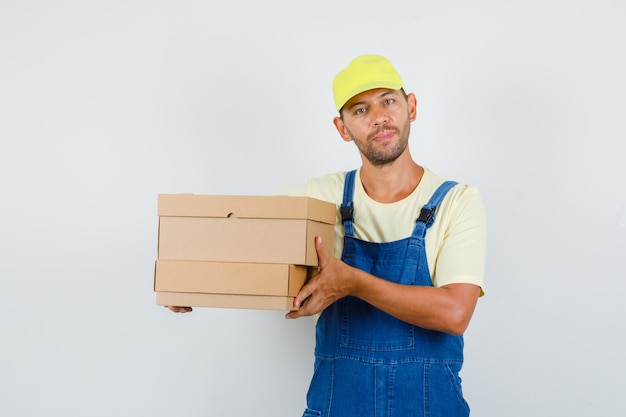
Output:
(238, 251)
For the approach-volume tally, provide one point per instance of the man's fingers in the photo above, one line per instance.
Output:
(178, 309)
(304, 293)
(302, 311)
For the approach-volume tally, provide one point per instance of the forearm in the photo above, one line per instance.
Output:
(447, 309)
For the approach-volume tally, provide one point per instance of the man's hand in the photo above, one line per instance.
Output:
(329, 285)
(177, 309)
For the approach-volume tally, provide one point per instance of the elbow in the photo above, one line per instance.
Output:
(459, 312)
(457, 330)
(458, 322)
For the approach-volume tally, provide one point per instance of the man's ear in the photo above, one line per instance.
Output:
(342, 129)
(412, 104)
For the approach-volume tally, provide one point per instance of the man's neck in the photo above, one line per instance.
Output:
(393, 182)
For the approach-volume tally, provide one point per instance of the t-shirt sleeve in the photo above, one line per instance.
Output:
(461, 256)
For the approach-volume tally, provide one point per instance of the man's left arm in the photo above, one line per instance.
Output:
(447, 309)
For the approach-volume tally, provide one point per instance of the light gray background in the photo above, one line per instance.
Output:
(105, 104)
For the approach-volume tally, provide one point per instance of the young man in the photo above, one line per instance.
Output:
(409, 265)
(408, 268)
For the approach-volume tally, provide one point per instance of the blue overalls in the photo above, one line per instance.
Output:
(370, 364)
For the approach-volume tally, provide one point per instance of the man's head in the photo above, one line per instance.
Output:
(374, 111)
(365, 72)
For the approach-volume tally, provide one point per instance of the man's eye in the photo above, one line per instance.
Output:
(359, 111)
(389, 101)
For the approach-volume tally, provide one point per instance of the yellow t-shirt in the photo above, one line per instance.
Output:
(455, 243)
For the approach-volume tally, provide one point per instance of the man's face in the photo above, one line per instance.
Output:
(379, 123)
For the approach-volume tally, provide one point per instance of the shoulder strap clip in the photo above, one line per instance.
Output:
(347, 212)
(426, 215)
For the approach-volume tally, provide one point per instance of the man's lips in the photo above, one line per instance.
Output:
(384, 135)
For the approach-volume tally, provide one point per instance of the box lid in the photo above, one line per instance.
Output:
(246, 206)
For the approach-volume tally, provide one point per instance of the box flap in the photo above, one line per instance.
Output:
(269, 207)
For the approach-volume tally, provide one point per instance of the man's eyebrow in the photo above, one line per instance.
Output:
(353, 105)
(362, 102)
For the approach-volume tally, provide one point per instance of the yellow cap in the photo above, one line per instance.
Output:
(365, 72)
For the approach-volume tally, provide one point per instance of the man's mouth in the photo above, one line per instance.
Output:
(383, 135)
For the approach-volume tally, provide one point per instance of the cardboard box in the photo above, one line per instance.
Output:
(257, 229)
(257, 302)
(251, 252)
(230, 278)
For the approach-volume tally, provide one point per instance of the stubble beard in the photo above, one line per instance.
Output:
(387, 153)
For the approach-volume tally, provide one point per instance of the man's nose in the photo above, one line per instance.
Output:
(379, 116)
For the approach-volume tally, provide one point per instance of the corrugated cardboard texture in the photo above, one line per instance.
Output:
(230, 278)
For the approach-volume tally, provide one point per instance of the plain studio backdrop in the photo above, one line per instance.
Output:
(106, 104)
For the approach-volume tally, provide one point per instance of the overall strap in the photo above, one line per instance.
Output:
(427, 214)
(347, 206)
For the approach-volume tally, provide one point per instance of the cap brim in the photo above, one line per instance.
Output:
(365, 87)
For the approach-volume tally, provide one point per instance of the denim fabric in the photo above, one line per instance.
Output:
(370, 364)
